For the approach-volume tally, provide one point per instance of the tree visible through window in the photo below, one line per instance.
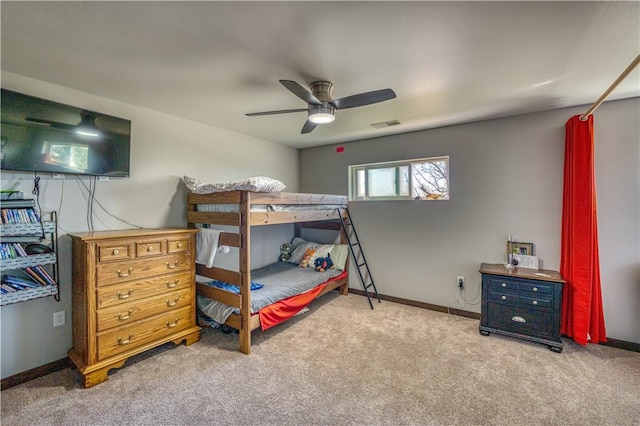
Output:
(417, 179)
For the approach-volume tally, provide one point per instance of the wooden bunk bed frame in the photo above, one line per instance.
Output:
(244, 219)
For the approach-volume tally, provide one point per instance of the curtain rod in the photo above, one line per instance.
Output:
(597, 103)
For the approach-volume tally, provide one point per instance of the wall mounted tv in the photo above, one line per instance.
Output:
(39, 135)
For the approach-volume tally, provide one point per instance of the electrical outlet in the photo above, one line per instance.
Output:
(460, 282)
(58, 319)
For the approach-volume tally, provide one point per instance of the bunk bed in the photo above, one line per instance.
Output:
(245, 209)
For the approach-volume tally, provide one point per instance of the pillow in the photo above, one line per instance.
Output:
(321, 251)
(299, 246)
(339, 256)
(254, 184)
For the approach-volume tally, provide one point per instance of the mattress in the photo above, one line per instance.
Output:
(229, 208)
(281, 280)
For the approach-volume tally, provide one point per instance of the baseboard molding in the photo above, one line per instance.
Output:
(423, 305)
(34, 373)
(622, 344)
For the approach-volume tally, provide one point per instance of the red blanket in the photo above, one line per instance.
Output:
(281, 311)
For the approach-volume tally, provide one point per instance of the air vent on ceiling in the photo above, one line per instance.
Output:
(386, 124)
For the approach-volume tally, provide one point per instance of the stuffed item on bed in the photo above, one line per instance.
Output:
(321, 264)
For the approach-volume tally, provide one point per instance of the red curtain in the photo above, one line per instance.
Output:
(582, 316)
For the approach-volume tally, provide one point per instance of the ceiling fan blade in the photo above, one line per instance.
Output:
(308, 127)
(300, 92)
(54, 124)
(362, 99)
(282, 111)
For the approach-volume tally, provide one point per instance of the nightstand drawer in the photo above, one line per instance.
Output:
(175, 246)
(519, 320)
(536, 287)
(503, 284)
(149, 248)
(535, 302)
(505, 298)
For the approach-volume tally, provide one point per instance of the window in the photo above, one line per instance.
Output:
(418, 179)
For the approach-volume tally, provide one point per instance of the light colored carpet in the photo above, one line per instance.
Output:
(343, 363)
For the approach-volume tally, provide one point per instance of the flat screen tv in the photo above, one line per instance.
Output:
(39, 135)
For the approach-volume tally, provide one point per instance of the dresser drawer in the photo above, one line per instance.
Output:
(536, 302)
(149, 248)
(116, 251)
(520, 320)
(122, 339)
(179, 245)
(133, 311)
(135, 269)
(118, 294)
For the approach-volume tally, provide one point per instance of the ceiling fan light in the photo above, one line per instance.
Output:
(321, 117)
(322, 114)
(87, 127)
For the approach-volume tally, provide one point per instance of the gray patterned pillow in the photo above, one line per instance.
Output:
(254, 184)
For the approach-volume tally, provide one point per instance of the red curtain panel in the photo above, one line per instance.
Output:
(582, 316)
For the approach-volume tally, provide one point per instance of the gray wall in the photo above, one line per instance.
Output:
(506, 177)
(163, 149)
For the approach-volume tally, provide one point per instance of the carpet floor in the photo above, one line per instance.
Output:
(345, 364)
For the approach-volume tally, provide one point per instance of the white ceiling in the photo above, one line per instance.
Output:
(448, 62)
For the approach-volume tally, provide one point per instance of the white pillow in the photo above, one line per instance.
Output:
(321, 251)
(254, 184)
(339, 256)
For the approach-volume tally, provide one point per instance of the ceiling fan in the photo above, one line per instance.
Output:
(321, 108)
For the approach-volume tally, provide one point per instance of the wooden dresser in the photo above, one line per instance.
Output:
(523, 303)
(133, 290)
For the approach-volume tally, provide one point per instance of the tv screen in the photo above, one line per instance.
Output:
(39, 135)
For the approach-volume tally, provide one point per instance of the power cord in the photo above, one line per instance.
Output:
(36, 192)
(92, 199)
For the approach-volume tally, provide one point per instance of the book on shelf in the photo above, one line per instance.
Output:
(35, 276)
(23, 215)
(44, 274)
(24, 282)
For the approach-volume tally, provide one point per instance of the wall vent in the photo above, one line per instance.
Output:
(384, 124)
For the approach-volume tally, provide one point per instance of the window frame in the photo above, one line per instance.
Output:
(355, 181)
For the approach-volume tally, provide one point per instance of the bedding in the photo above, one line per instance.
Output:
(281, 280)
(253, 184)
(233, 208)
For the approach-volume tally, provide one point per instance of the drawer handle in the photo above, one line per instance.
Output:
(518, 319)
(504, 297)
(124, 317)
(172, 265)
(116, 252)
(174, 302)
(125, 342)
(124, 274)
(535, 302)
(535, 289)
(149, 248)
(504, 284)
(172, 324)
(172, 284)
(126, 295)
(179, 245)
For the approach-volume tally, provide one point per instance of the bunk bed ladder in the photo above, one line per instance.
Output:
(358, 256)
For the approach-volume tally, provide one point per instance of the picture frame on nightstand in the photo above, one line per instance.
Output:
(525, 249)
